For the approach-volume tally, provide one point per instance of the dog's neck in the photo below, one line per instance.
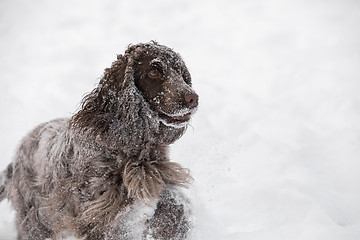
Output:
(144, 132)
(141, 145)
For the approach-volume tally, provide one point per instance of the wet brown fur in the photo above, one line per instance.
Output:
(105, 173)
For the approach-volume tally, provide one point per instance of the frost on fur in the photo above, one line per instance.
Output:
(144, 180)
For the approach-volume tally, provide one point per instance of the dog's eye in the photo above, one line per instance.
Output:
(154, 74)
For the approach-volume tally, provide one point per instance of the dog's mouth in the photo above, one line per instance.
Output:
(176, 119)
(180, 119)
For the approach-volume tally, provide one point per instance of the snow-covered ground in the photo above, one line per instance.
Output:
(275, 146)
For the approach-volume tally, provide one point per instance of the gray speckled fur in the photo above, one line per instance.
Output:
(104, 173)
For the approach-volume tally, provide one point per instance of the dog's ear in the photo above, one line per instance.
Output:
(98, 108)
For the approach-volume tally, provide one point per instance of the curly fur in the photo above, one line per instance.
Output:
(105, 173)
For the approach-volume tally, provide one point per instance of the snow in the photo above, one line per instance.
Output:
(274, 147)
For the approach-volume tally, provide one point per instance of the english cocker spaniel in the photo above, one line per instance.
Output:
(105, 173)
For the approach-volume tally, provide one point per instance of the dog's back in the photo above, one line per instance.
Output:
(39, 162)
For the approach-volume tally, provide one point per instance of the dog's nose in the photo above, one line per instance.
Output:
(192, 100)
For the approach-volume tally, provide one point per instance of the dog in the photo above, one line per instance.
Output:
(105, 173)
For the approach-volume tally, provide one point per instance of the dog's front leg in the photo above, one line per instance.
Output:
(130, 225)
(172, 218)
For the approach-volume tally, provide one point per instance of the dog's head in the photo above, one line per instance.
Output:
(146, 96)
(165, 83)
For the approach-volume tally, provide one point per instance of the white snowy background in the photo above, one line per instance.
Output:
(275, 146)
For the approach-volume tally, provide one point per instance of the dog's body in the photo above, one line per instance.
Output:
(105, 173)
